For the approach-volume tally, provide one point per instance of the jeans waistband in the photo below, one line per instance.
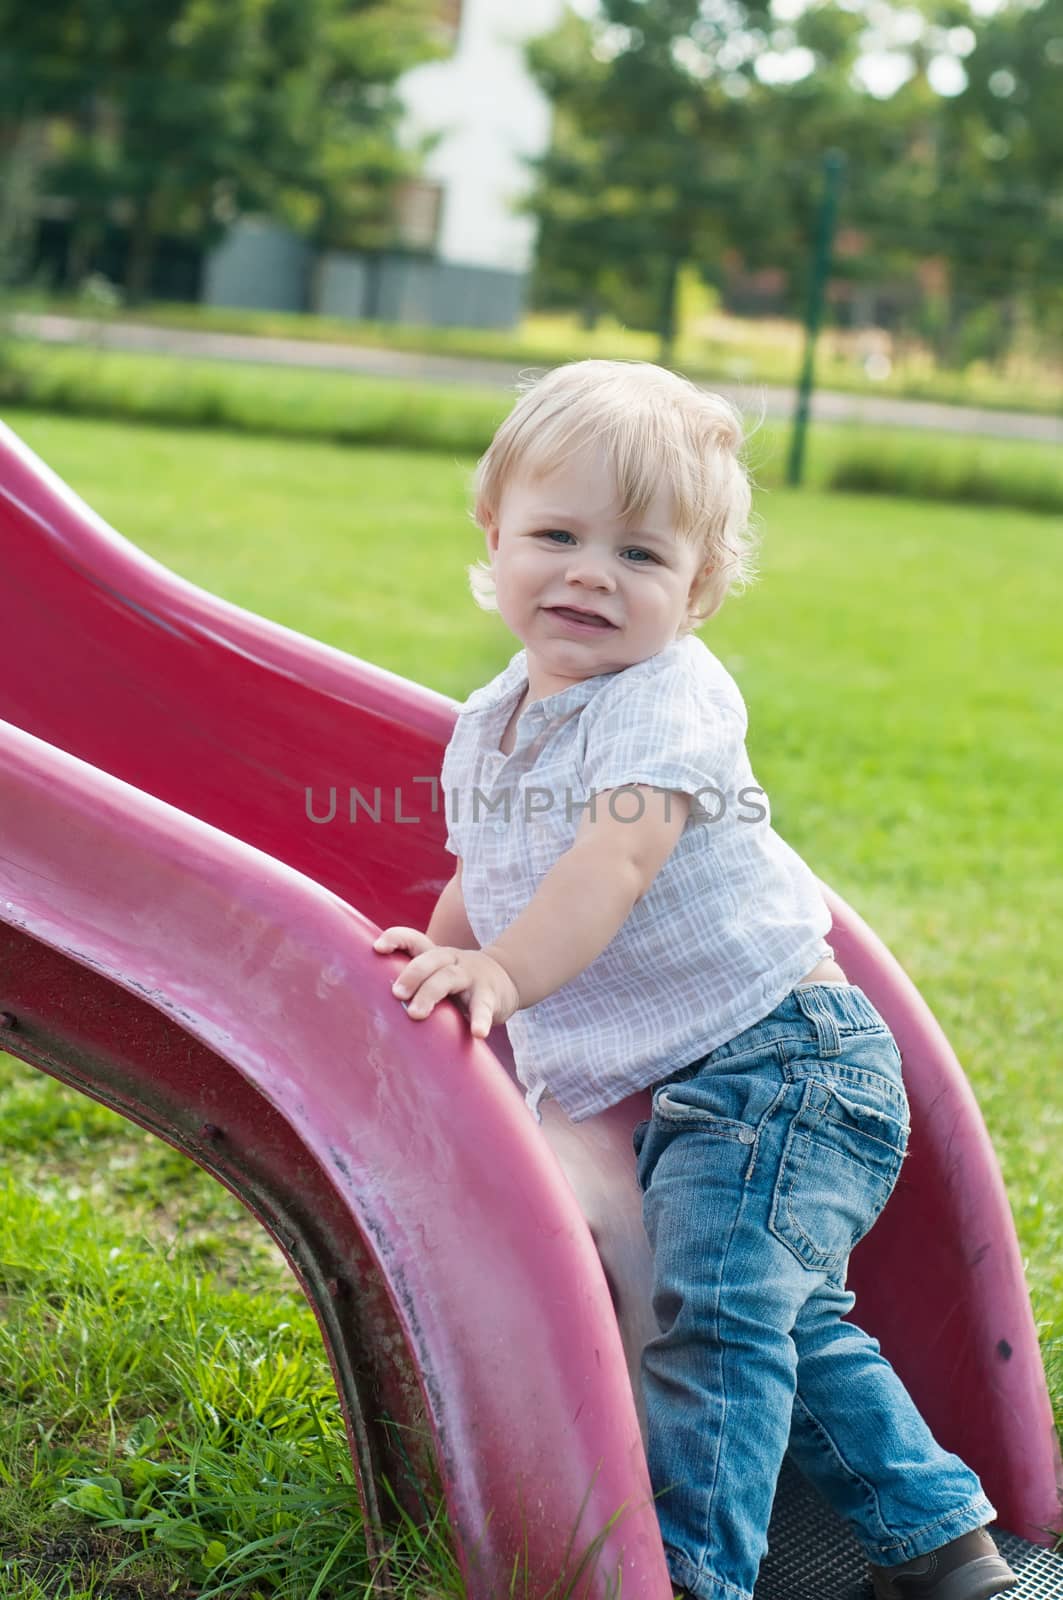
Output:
(832, 1009)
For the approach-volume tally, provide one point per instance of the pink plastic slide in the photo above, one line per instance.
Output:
(185, 937)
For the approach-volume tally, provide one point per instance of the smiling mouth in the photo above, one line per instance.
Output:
(589, 619)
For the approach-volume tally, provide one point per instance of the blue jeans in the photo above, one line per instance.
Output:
(763, 1164)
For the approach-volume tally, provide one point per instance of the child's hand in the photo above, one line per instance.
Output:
(483, 987)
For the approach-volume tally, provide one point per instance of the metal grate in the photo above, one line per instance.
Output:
(813, 1556)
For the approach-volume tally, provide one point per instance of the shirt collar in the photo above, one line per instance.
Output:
(500, 688)
(513, 680)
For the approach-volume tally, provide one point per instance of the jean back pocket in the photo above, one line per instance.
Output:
(841, 1159)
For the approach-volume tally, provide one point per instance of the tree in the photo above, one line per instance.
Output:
(645, 157)
(186, 112)
(325, 147)
(696, 131)
(41, 75)
(1002, 148)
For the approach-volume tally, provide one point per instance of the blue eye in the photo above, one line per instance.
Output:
(556, 535)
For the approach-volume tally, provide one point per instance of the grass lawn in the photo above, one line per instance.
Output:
(459, 419)
(902, 670)
(710, 345)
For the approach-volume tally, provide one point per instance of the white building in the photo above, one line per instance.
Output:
(491, 117)
(466, 251)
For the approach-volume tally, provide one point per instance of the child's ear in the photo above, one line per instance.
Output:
(489, 523)
(701, 576)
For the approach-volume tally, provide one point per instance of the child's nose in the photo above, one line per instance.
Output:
(589, 568)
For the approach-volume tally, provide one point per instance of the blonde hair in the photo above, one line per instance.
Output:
(658, 430)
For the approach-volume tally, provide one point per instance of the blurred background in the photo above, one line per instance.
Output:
(685, 178)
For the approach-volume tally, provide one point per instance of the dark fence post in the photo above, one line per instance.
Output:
(833, 167)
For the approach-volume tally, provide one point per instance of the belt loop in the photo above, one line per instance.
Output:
(828, 1036)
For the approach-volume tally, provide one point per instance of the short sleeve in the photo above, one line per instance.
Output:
(666, 729)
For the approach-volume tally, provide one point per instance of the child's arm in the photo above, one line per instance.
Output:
(589, 892)
(449, 923)
(579, 907)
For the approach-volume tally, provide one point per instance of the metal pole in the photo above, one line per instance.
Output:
(833, 167)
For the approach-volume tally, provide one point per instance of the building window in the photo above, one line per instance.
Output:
(448, 22)
(418, 207)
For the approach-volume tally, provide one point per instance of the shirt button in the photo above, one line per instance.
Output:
(498, 827)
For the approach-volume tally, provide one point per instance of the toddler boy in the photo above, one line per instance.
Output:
(621, 902)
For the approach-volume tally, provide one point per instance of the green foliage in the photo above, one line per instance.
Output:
(201, 1426)
(214, 394)
(981, 474)
(195, 1429)
(347, 410)
(1002, 140)
(188, 112)
(642, 158)
(712, 346)
(667, 149)
(686, 133)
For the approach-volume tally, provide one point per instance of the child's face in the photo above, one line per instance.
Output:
(560, 541)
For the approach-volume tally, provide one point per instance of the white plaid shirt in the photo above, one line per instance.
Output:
(733, 919)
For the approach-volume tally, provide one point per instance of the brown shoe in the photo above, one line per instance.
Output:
(968, 1568)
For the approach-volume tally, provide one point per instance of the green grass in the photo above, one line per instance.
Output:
(344, 409)
(192, 1427)
(711, 345)
(292, 401)
(903, 676)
